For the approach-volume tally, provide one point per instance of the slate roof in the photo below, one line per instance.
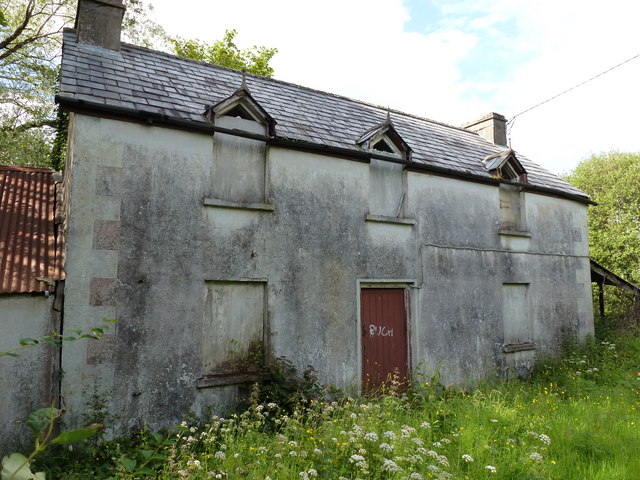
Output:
(29, 246)
(143, 81)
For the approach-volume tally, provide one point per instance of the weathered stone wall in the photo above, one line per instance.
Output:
(151, 243)
(28, 382)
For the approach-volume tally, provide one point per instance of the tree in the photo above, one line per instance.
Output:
(30, 47)
(613, 181)
(225, 52)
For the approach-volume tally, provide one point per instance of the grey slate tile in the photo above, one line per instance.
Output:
(155, 82)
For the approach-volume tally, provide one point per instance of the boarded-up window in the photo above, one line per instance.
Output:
(512, 212)
(233, 326)
(238, 162)
(386, 188)
(515, 312)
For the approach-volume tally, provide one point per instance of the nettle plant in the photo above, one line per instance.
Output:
(18, 467)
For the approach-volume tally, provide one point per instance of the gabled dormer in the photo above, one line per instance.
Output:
(242, 106)
(384, 139)
(506, 165)
(239, 176)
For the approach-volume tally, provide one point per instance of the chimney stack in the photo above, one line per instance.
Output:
(99, 22)
(492, 127)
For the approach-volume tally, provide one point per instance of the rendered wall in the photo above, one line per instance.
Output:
(147, 238)
(27, 382)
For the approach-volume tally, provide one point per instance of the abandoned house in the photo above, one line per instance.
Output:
(210, 211)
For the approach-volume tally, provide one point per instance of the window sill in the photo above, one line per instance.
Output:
(514, 233)
(519, 347)
(393, 220)
(227, 379)
(260, 207)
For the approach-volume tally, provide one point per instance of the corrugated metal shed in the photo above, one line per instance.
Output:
(30, 249)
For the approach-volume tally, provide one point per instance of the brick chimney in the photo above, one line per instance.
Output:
(492, 127)
(99, 22)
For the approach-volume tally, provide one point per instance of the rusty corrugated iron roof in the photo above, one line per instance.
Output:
(30, 249)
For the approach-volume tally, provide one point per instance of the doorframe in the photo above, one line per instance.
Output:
(410, 309)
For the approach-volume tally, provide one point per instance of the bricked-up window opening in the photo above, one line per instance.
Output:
(517, 322)
(386, 188)
(233, 327)
(512, 209)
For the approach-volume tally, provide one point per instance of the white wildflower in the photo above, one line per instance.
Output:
(386, 447)
(491, 468)
(433, 468)
(371, 437)
(437, 444)
(312, 472)
(433, 454)
(390, 466)
(317, 451)
(389, 434)
(220, 455)
(467, 458)
(442, 460)
(536, 457)
(425, 425)
(416, 476)
(417, 441)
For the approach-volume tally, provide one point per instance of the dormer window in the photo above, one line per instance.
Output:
(384, 138)
(505, 165)
(387, 179)
(242, 106)
(239, 169)
(239, 111)
(384, 145)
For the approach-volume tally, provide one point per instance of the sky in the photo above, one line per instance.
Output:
(454, 61)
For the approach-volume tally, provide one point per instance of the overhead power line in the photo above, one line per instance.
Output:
(510, 122)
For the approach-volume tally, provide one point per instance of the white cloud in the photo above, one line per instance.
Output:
(359, 48)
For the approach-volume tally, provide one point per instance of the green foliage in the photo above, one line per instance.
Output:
(16, 467)
(226, 53)
(56, 339)
(42, 421)
(30, 48)
(613, 181)
(575, 419)
(281, 384)
(29, 45)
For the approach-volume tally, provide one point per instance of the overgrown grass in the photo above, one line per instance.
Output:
(575, 419)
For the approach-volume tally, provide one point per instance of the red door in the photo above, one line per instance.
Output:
(384, 337)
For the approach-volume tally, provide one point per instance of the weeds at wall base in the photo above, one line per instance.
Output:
(574, 419)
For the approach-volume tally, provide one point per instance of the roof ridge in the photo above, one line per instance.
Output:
(19, 168)
(290, 84)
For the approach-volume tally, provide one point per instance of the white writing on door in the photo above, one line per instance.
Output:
(380, 331)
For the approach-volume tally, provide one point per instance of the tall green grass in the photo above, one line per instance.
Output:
(577, 418)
